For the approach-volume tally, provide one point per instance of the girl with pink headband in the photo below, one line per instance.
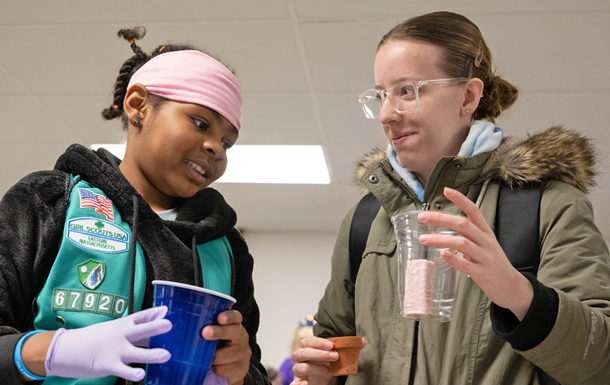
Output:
(81, 244)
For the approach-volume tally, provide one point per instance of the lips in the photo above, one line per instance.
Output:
(401, 137)
(200, 168)
(395, 136)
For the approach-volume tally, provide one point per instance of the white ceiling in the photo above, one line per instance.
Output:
(300, 64)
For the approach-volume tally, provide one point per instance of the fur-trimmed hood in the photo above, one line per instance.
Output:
(554, 154)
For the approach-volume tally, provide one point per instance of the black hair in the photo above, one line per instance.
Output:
(131, 65)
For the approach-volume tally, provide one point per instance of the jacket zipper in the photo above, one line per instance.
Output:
(410, 192)
(426, 205)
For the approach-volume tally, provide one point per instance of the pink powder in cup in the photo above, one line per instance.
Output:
(418, 287)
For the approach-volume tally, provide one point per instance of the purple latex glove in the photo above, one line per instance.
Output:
(107, 348)
(212, 379)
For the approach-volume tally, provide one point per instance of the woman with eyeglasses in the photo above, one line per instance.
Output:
(437, 97)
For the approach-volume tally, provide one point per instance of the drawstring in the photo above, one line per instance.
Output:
(69, 188)
(482, 193)
(196, 263)
(132, 267)
(478, 203)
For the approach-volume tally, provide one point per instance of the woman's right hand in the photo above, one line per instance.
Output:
(312, 361)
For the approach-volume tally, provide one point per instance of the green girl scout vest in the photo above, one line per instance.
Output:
(89, 280)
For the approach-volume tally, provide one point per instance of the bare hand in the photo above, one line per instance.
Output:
(312, 361)
(231, 360)
(484, 260)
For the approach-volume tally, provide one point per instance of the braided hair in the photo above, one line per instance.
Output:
(134, 63)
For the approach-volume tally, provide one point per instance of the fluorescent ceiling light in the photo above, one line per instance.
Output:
(265, 164)
(276, 164)
(117, 150)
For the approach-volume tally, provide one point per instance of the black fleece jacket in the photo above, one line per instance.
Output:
(32, 216)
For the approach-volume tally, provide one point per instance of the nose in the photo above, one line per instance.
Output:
(213, 147)
(387, 113)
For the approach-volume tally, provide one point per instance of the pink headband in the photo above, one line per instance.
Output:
(193, 77)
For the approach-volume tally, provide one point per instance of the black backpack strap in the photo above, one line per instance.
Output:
(365, 213)
(517, 225)
(517, 230)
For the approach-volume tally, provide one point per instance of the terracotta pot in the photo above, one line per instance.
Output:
(349, 350)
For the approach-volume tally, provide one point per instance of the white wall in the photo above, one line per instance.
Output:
(291, 271)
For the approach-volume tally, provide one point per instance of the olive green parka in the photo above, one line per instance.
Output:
(574, 264)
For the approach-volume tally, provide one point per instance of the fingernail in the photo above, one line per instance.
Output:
(210, 333)
(164, 355)
(334, 355)
(424, 237)
(328, 345)
(138, 375)
(423, 216)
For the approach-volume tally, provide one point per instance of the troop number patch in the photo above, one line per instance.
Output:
(98, 234)
(89, 301)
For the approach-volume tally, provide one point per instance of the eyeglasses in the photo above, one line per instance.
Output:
(403, 96)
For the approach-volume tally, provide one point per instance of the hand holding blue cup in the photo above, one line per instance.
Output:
(190, 309)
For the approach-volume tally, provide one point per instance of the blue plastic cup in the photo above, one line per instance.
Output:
(190, 308)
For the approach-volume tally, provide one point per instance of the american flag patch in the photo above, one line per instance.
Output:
(101, 205)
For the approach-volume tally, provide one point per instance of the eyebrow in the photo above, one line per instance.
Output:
(397, 81)
(219, 117)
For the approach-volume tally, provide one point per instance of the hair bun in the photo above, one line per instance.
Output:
(135, 33)
(497, 97)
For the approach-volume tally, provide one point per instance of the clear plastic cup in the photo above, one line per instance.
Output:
(190, 308)
(426, 283)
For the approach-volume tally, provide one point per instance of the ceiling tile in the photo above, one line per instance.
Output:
(279, 118)
(563, 51)
(263, 54)
(18, 159)
(64, 59)
(345, 9)
(26, 119)
(77, 58)
(586, 112)
(112, 11)
(345, 123)
(82, 115)
(535, 56)
(8, 83)
(341, 55)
